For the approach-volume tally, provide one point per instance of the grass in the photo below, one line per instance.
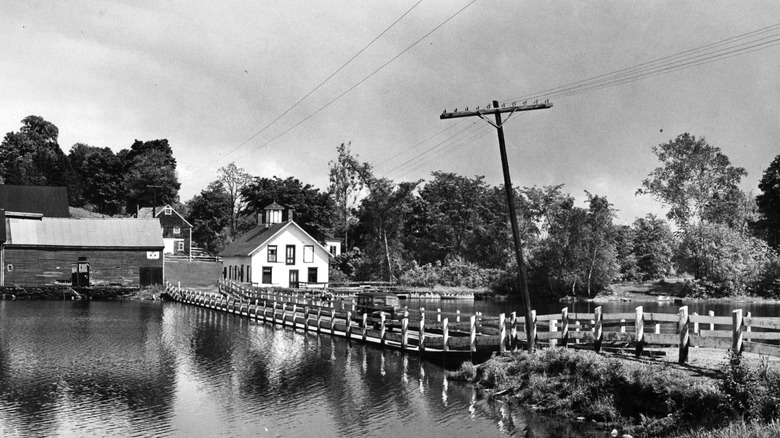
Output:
(193, 273)
(647, 399)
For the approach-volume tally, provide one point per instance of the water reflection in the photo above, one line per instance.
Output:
(96, 369)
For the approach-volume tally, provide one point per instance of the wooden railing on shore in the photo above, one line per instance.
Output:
(418, 330)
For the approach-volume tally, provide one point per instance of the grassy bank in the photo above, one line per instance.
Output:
(639, 398)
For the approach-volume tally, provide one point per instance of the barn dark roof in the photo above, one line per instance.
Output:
(248, 242)
(45, 200)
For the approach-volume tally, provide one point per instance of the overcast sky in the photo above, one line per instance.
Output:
(209, 76)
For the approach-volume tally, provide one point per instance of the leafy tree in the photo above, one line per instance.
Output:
(100, 178)
(600, 258)
(768, 203)
(345, 187)
(693, 176)
(150, 173)
(313, 210)
(653, 247)
(234, 179)
(626, 258)
(32, 156)
(210, 216)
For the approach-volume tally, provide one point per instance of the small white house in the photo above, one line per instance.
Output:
(277, 253)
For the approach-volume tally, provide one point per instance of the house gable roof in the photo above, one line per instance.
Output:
(45, 200)
(102, 233)
(149, 212)
(248, 243)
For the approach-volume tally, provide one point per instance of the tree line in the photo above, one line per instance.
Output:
(452, 229)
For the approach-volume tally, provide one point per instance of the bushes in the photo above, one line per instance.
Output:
(455, 273)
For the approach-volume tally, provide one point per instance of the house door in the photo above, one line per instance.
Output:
(294, 278)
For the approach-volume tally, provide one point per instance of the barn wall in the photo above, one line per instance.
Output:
(39, 267)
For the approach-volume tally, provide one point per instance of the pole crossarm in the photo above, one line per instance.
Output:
(492, 111)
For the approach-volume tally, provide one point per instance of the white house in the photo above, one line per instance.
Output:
(276, 253)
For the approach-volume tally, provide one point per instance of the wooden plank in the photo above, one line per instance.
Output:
(719, 343)
(618, 316)
(661, 317)
(581, 316)
(762, 335)
(548, 335)
(759, 348)
(767, 323)
(662, 339)
(617, 336)
(587, 336)
(715, 333)
(706, 319)
(548, 317)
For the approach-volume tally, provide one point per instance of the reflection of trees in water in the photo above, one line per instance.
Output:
(67, 361)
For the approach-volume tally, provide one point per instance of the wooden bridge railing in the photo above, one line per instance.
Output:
(424, 328)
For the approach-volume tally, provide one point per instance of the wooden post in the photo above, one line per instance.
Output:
(457, 315)
(532, 332)
(349, 325)
(747, 326)
(501, 333)
(657, 328)
(564, 327)
(273, 314)
(382, 328)
(438, 315)
(332, 320)
(682, 328)
(577, 328)
(622, 326)
(597, 333)
(513, 332)
(711, 313)
(319, 319)
(294, 312)
(404, 330)
(639, 331)
(306, 310)
(736, 334)
(421, 335)
(365, 326)
(553, 329)
(695, 325)
(445, 326)
(473, 333)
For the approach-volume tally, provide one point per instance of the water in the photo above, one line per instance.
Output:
(136, 368)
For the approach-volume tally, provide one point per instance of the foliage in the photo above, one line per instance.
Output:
(210, 215)
(313, 210)
(692, 179)
(455, 273)
(234, 179)
(33, 157)
(727, 259)
(150, 174)
(752, 392)
(768, 203)
(653, 247)
(345, 187)
(99, 178)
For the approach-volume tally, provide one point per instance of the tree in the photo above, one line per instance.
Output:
(210, 216)
(150, 174)
(600, 259)
(653, 247)
(32, 156)
(768, 203)
(345, 187)
(234, 179)
(693, 176)
(98, 179)
(313, 210)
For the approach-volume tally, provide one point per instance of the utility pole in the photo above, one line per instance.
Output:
(154, 206)
(510, 199)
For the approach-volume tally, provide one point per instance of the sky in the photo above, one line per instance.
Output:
(214, 77)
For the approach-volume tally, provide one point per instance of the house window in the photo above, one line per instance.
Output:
(180, 245)
(271, 253)
(312, 275)
(266, 275)
(176, 230)
(332, 249)
(248, 273)
(167, 210)
(308, 254)
(290, 255)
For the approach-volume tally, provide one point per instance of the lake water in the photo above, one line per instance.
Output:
(139, 368)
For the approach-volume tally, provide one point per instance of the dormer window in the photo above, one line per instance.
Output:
(167, 210)
(176, 230)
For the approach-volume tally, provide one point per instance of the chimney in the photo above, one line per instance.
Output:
(290, 212)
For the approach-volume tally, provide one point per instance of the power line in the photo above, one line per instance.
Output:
(365, 78)
(321, 83)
